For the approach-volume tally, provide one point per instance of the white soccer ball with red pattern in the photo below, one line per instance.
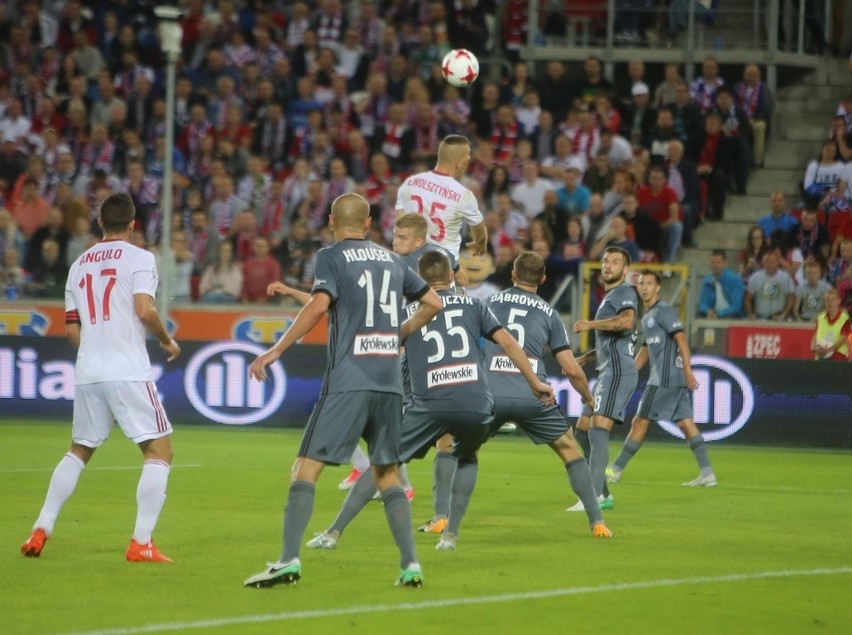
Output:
(460, 67)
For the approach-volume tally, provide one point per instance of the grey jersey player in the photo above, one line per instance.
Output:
(614, 325)
(539, 329)
(668, 393)
(450, 396)
(360, 286)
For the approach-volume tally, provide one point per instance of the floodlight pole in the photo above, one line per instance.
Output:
(171, 34)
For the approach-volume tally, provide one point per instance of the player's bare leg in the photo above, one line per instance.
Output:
(706, 477)
(634, 440)
(580, 478)
(150, 498)
(62, 485)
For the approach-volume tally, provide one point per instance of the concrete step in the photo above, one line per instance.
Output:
(814, 106)
(767, 180)
(746, 209)
(807, 92)
(813, 131)
(722, 235)
(833, 73)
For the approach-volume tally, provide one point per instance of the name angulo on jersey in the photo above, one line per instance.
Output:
(525, 300)
(502, 364)
(451, 375)
(377, 344)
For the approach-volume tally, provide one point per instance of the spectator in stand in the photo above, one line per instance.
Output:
(737, 129)
(665, 92)
(714, 157)
(10, 236)
(593, 84)
(751, 258)
(660, 202)
(598, 178)
(573, 196)
(617, 236)
(496, 183)
(688, 119)
(822, 183)
(504, 134)
(12, 276)
(682, 177)
(566, 256)
(811, 238)
(612, 197)
(810, 295)
(585, 138)
(222, 280)
(770, 292)
(842, 263)
(753, 98)
(844, 287)
(557, 92)
(660, 136)
(259, 272)
(789, 258)
(483, 112)
(618, 149)
(553, 167)
(543, 138)
(831, 336)
(49, 272)
(594, 222)
(81, 239)
(530, 192)
(841, 138)
(31, 210)
(554, 217)
(722, 290)
(642, 230)
(778, 217)
(640, 117)
(13, 162)
(53, 229)
(704, 88)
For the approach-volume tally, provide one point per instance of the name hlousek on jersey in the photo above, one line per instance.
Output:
(367, 254)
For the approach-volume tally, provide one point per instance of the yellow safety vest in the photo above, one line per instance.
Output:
(826, 330)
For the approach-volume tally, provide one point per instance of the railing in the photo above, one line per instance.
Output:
(680, 31)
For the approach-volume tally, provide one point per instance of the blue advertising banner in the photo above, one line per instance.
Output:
(768, 402)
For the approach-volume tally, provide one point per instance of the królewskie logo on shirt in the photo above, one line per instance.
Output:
(382, 344)
(454, 374)
(217, 384)
(502, 364)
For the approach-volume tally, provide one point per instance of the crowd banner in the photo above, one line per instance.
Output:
(749, 401)
(770, 341)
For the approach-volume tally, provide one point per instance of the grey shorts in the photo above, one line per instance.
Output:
(613, 393)
(543, 424)
(665, 404)
(422, 427)
(339, 420)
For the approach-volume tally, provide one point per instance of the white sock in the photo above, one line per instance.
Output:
(360, 461)
(62, 485)
(403, 477)
(150, 497)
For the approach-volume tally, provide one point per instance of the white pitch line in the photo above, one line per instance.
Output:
(440, 604)
(22, 470)
(759, 488)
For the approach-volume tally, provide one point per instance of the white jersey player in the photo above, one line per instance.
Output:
(109, 307)
(446, 203)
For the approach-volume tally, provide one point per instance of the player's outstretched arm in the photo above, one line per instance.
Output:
(72, 332)
(683, 349)
(147, 313)
(308, 317)
(513, 350)
(589, 357)
(427, 308)
(624, 321)
(575, 375)
(302, 297)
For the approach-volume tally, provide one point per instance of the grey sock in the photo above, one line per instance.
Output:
(581, 482)
(628, 450)
(699, 449)
(582, 437)
(444, 467)
(464, 481)
(599, 458)
(297, 515)
(398, 512)
(357, 498)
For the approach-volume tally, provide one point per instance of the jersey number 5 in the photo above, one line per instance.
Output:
(86, 283)
(433, 216)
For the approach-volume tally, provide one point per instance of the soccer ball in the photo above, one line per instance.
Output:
(460, 67)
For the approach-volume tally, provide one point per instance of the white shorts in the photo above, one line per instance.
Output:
(134, 405)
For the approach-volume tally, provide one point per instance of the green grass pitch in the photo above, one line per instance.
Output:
(768, 551)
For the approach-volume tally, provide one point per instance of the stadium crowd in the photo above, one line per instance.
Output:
(281, 107)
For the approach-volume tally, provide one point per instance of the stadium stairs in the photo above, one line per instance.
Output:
(803, 110)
